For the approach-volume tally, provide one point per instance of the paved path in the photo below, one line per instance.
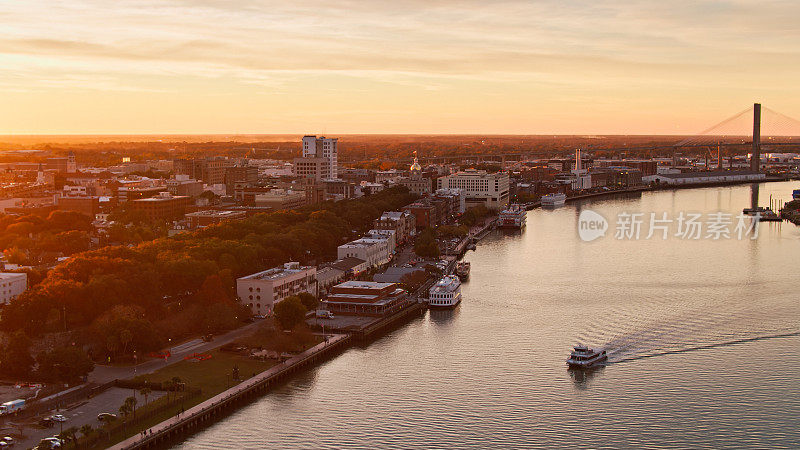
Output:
(104, 374)
(223, 395)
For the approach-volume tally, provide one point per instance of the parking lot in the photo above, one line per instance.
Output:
(85, 412)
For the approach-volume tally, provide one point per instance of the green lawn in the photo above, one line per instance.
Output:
(212, 375)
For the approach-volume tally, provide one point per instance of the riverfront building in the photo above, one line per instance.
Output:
(366, 298)
(703, 177)
(480, 187)
(261, 291)
(11, 285)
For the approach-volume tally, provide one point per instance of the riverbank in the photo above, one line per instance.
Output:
(493, 368)
(212, 409)
(652, 188)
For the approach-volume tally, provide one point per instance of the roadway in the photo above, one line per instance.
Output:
(103, 374)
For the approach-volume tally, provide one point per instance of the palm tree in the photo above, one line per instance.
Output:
(86, 430)
(145, 391)
(131, 402)
(69, 434)
(125, 409)
(167, 385)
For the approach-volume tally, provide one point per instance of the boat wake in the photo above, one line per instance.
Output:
(700, 347)
(649, 329)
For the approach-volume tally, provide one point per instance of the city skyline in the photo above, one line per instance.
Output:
(417, 67)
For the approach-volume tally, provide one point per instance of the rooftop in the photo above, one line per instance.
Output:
(215, 213)
(348, 263)
(356, 284)
(287, 269)
(11, 275)
(718, 173)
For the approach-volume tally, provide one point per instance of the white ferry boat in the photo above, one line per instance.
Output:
(583, 357)
(513, 217)
(446, 293)
(553, 200)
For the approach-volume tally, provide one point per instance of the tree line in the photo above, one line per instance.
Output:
(118, 300)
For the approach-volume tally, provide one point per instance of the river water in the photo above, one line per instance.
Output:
(703, 338)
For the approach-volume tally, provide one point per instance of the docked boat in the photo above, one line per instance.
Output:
(583, 357)
(446, 293)
(753, 211)
(553, 200)
(763, 214)
(513, 217)
(462, 270)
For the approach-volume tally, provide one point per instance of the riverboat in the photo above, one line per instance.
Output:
(553, 200)
(583, 357)
(513, 217)
(446, 293)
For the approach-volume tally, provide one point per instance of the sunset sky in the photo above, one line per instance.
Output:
(435, 66)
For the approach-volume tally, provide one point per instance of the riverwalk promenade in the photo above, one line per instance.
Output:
(210, 410)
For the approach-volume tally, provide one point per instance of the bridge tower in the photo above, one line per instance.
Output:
(755, 159)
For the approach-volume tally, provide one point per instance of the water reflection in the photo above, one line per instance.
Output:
(581, 377)
(754, 195)
(444, 316)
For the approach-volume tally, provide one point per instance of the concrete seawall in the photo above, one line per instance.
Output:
(209, 411)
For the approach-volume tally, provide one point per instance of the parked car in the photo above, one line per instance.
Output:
(106, 417)
(46, 422)
(322, 314)
(51, 442)
(58, 418)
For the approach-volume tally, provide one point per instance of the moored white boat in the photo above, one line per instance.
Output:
(446, 293)
(513, 217)
(553, 200)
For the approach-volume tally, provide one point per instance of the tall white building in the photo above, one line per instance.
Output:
(11, 285)
(582, 180)
(480, 187)
(323, 147)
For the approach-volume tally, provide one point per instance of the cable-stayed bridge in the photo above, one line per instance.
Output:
(753, 131)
